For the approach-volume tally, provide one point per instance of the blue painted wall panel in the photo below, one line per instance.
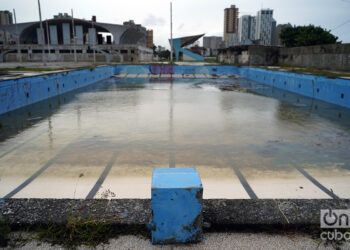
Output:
(25, 91)
(18, 93)
(175, 69)
(336, 91)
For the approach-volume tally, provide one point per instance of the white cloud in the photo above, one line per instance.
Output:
(152, 20)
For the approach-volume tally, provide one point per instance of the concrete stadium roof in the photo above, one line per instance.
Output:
(122, 34)
(187, 40)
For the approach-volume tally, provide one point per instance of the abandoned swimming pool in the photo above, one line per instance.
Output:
(246, 139)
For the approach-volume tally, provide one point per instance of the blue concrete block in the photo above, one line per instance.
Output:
(177, 206)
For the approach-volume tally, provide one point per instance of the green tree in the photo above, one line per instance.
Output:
(306, 36)
(165, 55)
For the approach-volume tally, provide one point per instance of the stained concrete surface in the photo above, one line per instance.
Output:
(216, 212)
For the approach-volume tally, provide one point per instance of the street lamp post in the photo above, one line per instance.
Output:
(19, 55)
(93, 40)
(42, 34)
(74, 38)
(48, 37)
(171, 32)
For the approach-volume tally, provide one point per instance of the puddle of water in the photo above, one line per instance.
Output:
(219, 126)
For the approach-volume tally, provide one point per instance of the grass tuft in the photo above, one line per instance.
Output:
(77, 231)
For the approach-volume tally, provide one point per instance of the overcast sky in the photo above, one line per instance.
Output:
(190, 17)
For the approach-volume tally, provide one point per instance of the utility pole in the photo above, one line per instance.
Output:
(42, 34)
(19, 55)
(74, 39)
(171, 32)
(93, 40)
(48, 37)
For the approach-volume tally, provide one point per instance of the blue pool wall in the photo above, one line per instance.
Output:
(175, 69)
(335, 91)
(21, 92)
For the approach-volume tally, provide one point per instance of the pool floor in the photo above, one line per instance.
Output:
(246, 140)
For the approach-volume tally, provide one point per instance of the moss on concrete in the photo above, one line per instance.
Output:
(309, 70)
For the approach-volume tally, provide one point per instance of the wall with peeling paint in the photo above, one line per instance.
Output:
(18, 93)
(336, 91)
(176, 69)
(21, 92)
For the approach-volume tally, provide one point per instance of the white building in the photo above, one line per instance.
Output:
(264, 26)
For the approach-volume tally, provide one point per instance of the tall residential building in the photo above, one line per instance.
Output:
(150, 39)
(273, 31)
(264, 26)
(5, 17)
(252, 28)
(245, 24)
(230, 22)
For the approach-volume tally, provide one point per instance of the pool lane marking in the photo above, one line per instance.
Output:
(245, 184)
(315, 182)
(37, 173)
(30, 179)
(243, 180)
(20, 145)
(102, 177)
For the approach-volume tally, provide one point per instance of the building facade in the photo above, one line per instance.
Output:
(127, 42)
(273, 32)
(245, 24)
(211, 44)
(264, 26)
(252, 28)
(6, 17)
(150, 43)
(277, 33)
(230, 21)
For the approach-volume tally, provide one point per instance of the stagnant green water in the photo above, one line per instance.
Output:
(246, 140)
